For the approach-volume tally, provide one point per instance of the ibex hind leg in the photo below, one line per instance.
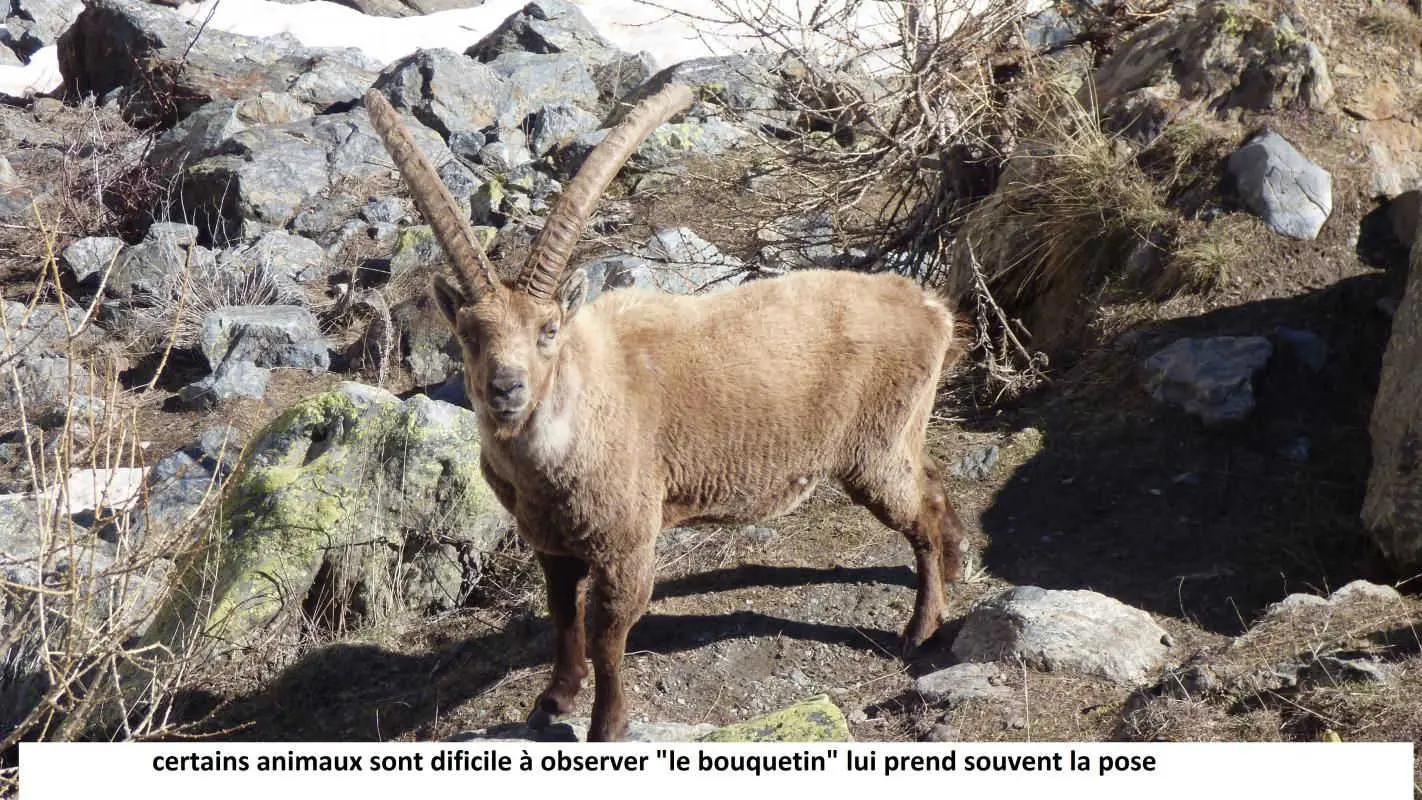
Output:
(908, 497)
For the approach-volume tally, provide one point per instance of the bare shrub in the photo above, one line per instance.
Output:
(76, 598)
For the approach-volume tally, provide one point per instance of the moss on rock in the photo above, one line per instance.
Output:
(813, 720)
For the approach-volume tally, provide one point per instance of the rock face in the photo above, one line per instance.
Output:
(1064, 631)
(1223, 55)
(1392, 509)
(1210, 378)
(150, 58)
(1293, 195)
(381, 499)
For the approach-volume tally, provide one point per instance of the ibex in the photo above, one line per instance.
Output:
(602, 425)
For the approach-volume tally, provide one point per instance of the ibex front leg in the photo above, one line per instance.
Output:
(565, 577)
(622, 585)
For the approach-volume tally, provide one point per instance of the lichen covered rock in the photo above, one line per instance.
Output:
(355, 506)
(814, 720)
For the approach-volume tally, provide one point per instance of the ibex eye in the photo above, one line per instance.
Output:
(549, 332)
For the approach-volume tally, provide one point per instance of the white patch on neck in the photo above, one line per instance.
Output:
(548, 437)
(549, 434)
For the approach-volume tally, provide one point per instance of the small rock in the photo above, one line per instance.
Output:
(977, 463)
(231, 379)
(266, 336)
(87, 258)
(960, 683)
(1210, 378)
(1307, 348)
(1293, 195)
(943, 732)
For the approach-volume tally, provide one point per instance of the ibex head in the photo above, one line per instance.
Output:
(511, 332)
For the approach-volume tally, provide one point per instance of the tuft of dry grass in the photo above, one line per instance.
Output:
(1204, 256)
(1070, 209)
(1395, 23)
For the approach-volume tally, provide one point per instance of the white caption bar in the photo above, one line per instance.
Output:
(216, 770)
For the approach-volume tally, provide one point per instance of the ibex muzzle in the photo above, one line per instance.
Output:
(603, 425)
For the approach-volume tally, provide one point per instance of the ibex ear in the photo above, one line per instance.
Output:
(448, 298)
(572, 292)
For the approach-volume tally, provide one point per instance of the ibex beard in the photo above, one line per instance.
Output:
(605, 423)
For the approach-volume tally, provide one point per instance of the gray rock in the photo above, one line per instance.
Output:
(977, 463)
(1049, 30)
(689, 264)
(557, 27)
(747, 86)
(87, 258)
(1210, 378)
(50, 385)
(1306, 347)
(558, 124)
(265, 336)
(149, 59)
(33, 24)
(448, 92)
(961, 683)
(1364, 591)
(264, 175)
(272, 108)
(229, 381)
(154, 270)
(332, 81)
(666, 145)
(40, 331)
(798, 241)
(1220, 57)
(1293, 195)
(174, 490)
(503, 156)
(539, 80)
(383, 496)
(387, 210)
(1064, 631)
(294, 260)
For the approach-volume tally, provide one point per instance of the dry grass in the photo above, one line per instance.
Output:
(1395, 23)
(1204, 256)
(1070, 208)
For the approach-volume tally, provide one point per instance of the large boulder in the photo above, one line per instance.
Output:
(546, 27)
(448, 92)
(1392, 509)
(155, 62)
(352, 506)
(1222, 54)
(1076, 631)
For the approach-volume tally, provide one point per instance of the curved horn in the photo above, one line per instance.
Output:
(450, 225)
(554, 245)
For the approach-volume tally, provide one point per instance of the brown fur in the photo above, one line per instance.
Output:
(653, 410)
(602, 426)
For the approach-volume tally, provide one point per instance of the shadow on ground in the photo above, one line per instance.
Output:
(362, 692)
(1151, 507)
